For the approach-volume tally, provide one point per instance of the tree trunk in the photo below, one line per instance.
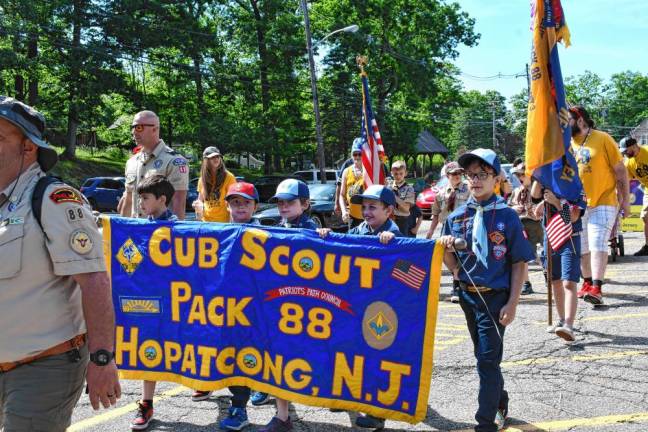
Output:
(270, 152)
(32, 53)
(200, 100)
(75, 73)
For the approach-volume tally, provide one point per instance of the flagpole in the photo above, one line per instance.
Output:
(548, 255)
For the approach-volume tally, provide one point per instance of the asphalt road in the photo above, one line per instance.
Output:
(598, 383)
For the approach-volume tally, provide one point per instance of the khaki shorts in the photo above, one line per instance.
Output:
(41, 395)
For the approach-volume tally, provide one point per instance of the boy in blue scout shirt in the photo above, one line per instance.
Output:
(155, 194)
(378, 203)
(293, 200)
(242, 200)
(491, 273)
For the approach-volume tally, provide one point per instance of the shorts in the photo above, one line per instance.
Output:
(565, 263)
(40, 396)
(644, 208)
(598, 223)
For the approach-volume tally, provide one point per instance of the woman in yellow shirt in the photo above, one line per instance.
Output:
(212, 187)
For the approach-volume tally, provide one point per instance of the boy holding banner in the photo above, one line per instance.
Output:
(491, 272)
(293, 200)
(242, 200)
(378, 204)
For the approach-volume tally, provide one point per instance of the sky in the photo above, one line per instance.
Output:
(607, 36)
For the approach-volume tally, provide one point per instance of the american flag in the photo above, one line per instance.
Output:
(373, 152)
(408, 273)
(559, 228)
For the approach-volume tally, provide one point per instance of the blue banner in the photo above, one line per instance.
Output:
(342, 322)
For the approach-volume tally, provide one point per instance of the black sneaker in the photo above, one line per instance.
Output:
(643, 251)
(526, 288)
(454, 295)
(370, 422)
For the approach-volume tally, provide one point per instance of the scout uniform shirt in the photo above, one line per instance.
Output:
(506, 243)
(406, 193)
(163, 161)
(596, 155)
(442, 202)
(40, 303)
(365, 229)
(638, 167)
(302, 221)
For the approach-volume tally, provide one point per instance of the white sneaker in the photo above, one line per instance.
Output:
(565, 332)
(552, 328)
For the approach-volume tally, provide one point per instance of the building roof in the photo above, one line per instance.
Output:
(426, 143)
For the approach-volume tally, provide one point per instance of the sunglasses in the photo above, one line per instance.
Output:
(140, 127)
(356, 154)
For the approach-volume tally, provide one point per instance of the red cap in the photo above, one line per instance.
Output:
(246, 190)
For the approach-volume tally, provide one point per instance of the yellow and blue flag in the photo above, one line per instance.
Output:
(548, 138)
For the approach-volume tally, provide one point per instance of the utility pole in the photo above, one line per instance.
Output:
(494, 130)
(528, 82)
(318, 125)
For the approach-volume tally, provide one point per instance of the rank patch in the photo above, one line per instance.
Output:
(496, 237)
(80, 242)
(66, 194)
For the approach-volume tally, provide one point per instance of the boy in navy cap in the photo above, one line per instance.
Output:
(378, 203)
(491, 272)
(293, 200)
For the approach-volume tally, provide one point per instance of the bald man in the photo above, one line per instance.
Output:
(155, 158)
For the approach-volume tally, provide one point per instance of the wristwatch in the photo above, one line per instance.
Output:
(101, 357)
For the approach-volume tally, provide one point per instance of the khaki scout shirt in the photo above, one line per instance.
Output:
(164, 161)
(40, 303)
(440, 205)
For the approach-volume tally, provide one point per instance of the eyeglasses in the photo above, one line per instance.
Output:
(140, 127)
(482, 175)
(356, 154)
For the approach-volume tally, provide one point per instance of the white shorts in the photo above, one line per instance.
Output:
(597, 227)
(644, 208)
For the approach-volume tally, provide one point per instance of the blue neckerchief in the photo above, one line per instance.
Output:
(479, 232)
(167, 216)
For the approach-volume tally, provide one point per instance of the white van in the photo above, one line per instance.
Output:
(313, 176)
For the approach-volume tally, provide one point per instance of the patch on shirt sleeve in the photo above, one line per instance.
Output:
(80, 242)
(65, 194)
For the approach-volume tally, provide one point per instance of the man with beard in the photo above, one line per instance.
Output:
(605, 181)
(636, 163)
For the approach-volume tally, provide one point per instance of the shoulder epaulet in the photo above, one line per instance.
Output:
(37, 196)
(171, 151)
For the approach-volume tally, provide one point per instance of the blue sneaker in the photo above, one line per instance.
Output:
(259, 398)
(236, 420)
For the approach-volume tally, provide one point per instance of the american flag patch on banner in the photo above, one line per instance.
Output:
(408, 273)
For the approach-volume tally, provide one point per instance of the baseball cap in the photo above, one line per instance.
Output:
(210, 152)
(487, 156)
(246, 190)
(518, 169)
(291, 189)
(626, 142)
(32, 124)
(357, 145)
(453, 167)
(376, 192)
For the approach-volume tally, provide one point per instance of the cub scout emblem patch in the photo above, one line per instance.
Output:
(66, 194)
(496, 237)
(129, 256)
(80, 242)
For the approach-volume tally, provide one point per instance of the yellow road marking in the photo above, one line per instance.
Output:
(453, 341)
(557, 425)
(455, 315)
(451, 326)
(576, 358)
(615, 317)
(118, 412)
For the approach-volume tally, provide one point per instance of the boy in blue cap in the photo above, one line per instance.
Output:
(491, 272)
(293, 200)
(378, 203)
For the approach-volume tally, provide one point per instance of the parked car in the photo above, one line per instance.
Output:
(515, 182)
(103, 193)
(426, 198)
(322, 196)
(313, 176)
(192, 194)
(267, 186)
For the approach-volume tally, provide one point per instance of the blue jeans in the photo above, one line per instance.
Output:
(488, 349)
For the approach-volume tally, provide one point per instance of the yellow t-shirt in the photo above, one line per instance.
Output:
(354, 185)
(216, 209)
(596, 160)
(638, 166)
